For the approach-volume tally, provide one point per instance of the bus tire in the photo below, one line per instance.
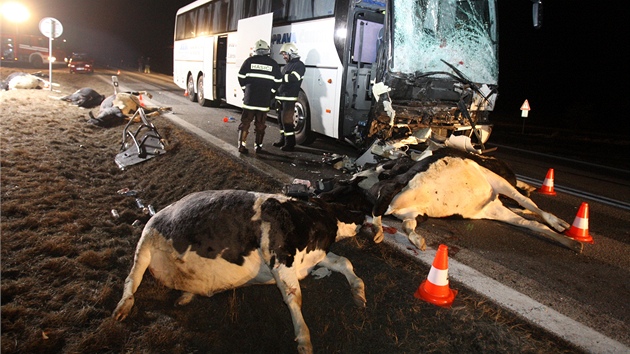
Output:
(37, 62)
(201, 96)
(190, 88)
(302, 121)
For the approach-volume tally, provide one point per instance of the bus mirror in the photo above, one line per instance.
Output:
(537, 10)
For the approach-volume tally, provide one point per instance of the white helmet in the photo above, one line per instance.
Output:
(291, 49)
(261, 47)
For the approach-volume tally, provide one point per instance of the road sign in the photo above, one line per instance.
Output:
(525, 109)
(50, 27)
(525, 106)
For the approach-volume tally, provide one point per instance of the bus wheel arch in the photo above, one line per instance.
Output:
(302, 121)
(190, 88)
(36, 61)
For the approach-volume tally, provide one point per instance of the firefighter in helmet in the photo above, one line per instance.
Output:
(259, 78)
(292, 76)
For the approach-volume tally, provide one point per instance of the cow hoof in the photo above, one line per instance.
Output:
(124, 307)
(379, 236)
(360, 301)
(185, 299)
(418, 241)
(305, 348)
(358, 293)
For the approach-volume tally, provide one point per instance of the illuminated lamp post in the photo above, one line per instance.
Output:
(17, 13)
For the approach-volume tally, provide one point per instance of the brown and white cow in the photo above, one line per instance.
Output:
(447, 183)
(212, 241)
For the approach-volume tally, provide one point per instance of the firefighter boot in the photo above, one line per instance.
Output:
(259, 141)
(280, 143)
(289, 139)
(242, 142)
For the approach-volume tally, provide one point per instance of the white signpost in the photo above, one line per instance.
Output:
(51, 28)
(524, 113)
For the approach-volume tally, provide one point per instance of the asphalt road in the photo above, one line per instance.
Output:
(584, 298)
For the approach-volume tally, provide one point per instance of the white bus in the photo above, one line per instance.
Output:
(374, 68)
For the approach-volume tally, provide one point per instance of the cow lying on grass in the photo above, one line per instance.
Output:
(22, 80)
(450, 182)
(115, 109)
(213, 241)
(84, 97)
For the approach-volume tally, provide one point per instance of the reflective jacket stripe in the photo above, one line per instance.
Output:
(284, 98)
(255, 108)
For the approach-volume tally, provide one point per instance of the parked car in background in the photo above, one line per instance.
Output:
(81, 63)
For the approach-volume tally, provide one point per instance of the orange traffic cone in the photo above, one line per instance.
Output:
(547, 186)
(435, 288)
(579, 229)
(118, 72)
(186, 93)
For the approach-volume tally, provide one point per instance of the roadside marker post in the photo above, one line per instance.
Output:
(524, 112)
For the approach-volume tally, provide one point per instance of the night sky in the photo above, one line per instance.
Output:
(573, 70)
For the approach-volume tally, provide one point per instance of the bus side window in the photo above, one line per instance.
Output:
(323, 8)
(300, 10)
(203, 20)
(189, 24)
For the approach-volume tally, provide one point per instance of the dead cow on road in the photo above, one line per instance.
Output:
(448, 183)
(213, 241)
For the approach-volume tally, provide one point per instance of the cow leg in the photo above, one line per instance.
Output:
(342, 265)
(501, 186)
(289, 286)
(497, 211)
(141, 262)
(409, 226)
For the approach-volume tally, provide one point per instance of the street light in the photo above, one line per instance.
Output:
(15, 12)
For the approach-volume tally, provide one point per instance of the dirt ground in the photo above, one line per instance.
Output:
(65, 257)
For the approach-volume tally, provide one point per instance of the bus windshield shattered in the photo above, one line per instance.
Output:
(437, 71)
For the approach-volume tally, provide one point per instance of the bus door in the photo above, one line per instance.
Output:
(367, 33)
(220, 68)
(240, 47)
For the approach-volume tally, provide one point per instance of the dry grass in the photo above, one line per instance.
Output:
(65, 258)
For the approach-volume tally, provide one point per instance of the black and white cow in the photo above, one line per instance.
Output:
(447, 183)
(212, 241)
(22, 80)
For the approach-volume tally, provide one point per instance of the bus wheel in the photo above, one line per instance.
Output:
(201, 96)
(190, 87)
(37, 61)
(302, 121)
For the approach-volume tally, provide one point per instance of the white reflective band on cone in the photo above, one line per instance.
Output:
(580, 223)
(438, 277)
